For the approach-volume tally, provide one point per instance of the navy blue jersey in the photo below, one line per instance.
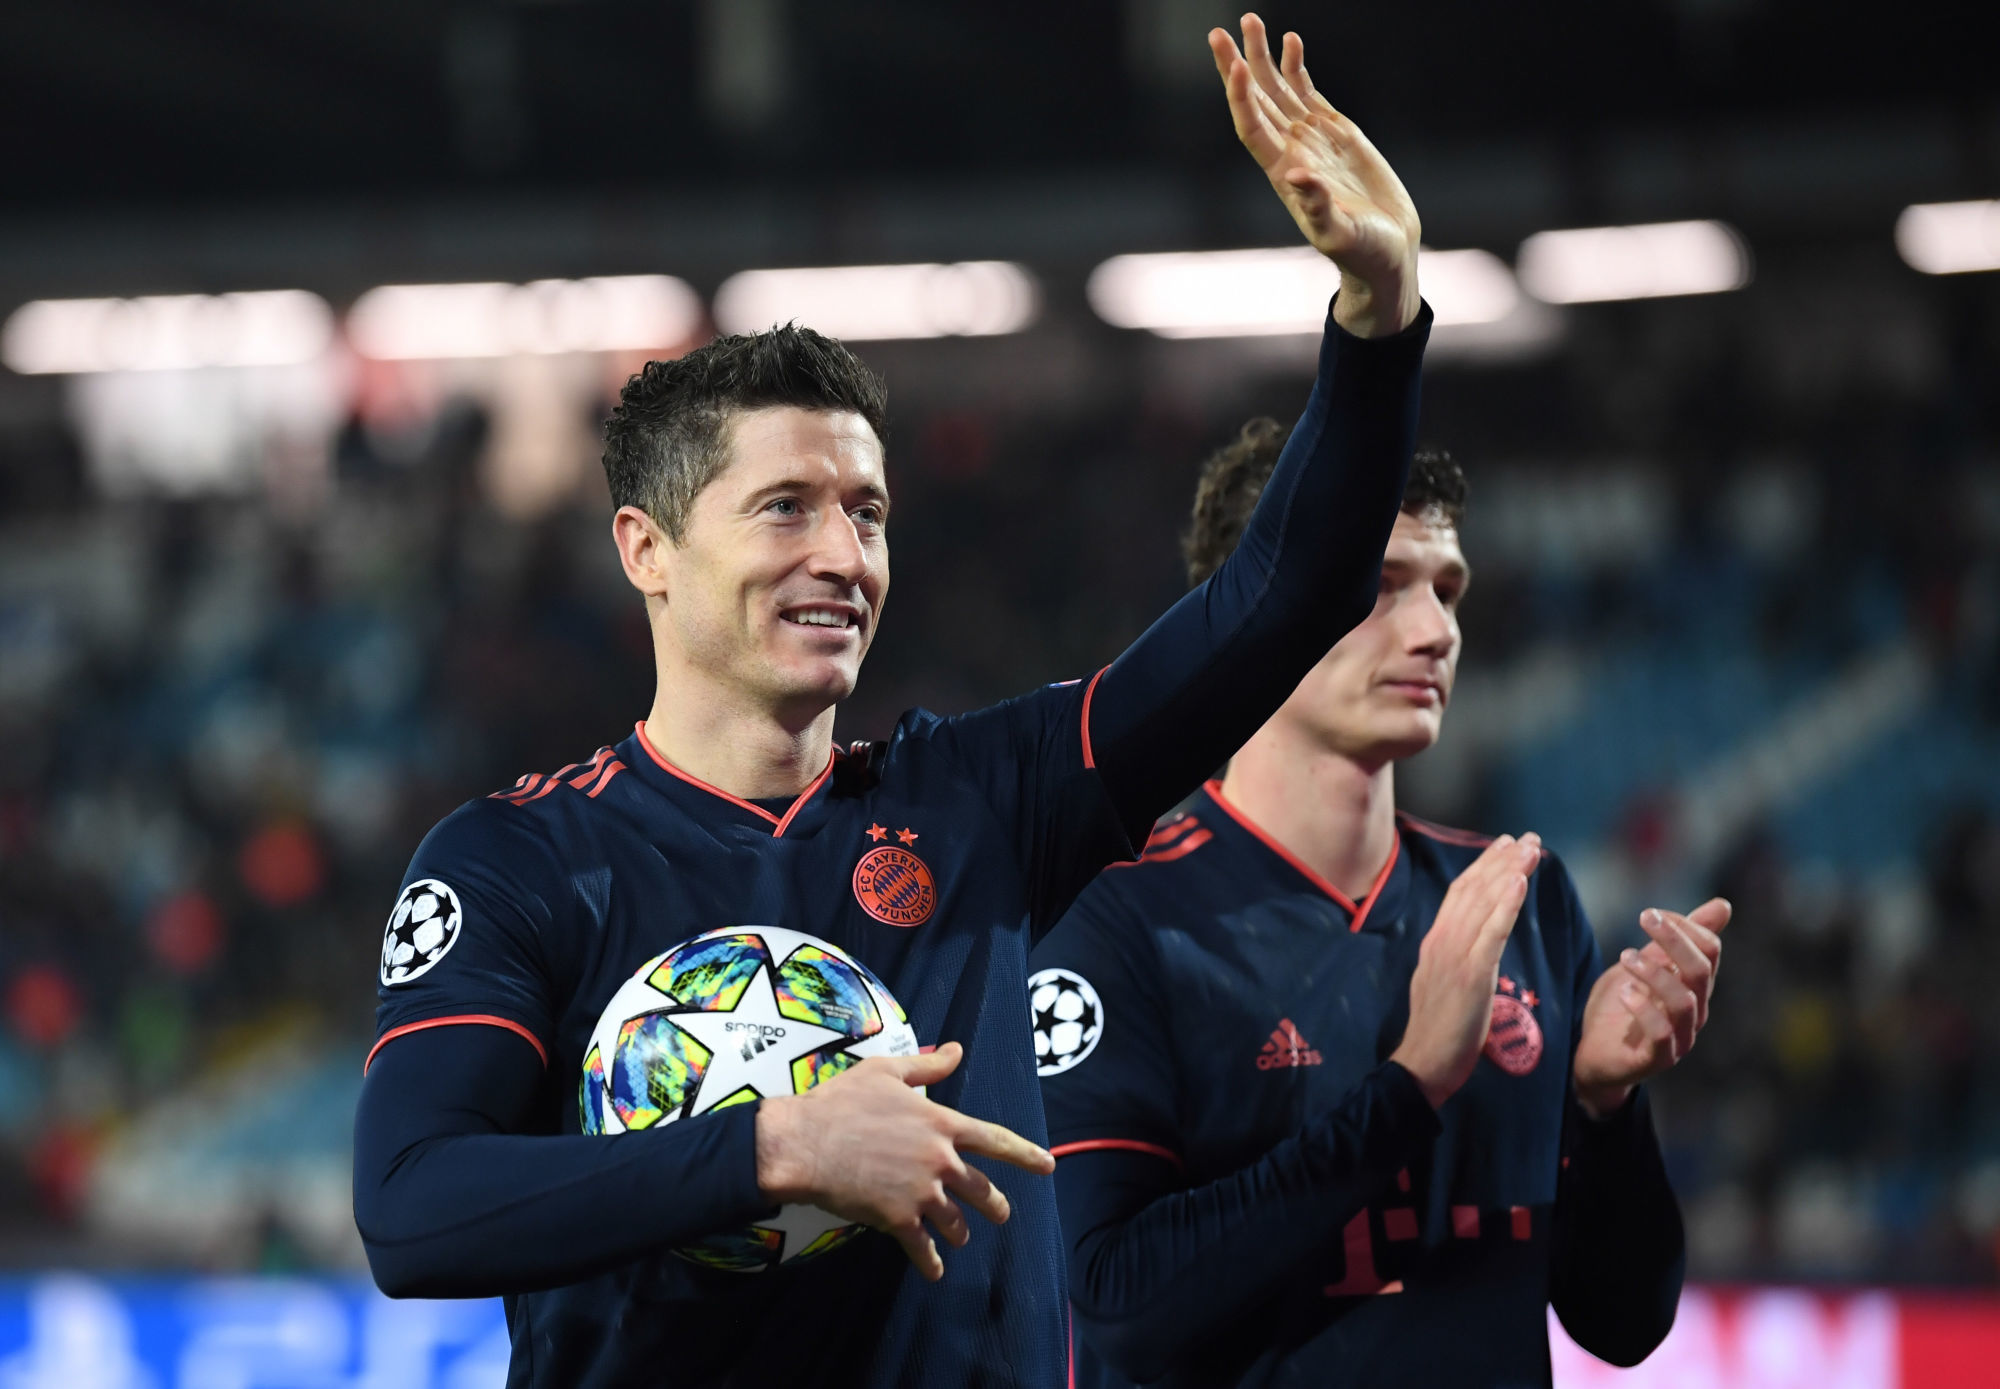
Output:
(1199, 1010)
(564, 885)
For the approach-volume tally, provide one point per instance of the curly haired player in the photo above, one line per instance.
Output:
(753, 516)
(1325, 1113)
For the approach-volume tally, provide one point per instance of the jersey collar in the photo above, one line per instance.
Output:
(1357, 912)
(700, 798)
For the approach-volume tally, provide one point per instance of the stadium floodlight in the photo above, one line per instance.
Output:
(604, 314)
(1226, 294)
(1950, 238)
(1589, 265)
(972, 299)
(166, 332)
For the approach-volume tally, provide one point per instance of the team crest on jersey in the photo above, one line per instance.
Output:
(1068, 1019)
(894, 885)
(1514, 1041)
(425, 924)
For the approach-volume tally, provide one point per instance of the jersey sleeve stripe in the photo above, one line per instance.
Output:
(1132, 1145)
(611, 769)
(1090, 757)
(487, 1019)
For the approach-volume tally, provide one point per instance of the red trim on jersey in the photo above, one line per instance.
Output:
(1089, 1145)
(488, 1019)
(1089, 757)
(590, 770)
(1444, 834)
(1166, 834)
(1358, 910)
(1174, 851)
(786, 822)
(778, 823)
(611, 769)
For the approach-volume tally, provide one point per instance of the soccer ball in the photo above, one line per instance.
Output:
(739, 1014)
(422, 927)
(1067, 1016)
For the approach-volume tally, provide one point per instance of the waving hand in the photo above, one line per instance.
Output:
(1337, 186)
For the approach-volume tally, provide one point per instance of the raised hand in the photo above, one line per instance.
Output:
(1645, 1012)
(866, 1146)
(1337, 186)
(1451, 992)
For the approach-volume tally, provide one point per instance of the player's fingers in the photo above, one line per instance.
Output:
(1670, 998)
(1712, 915)
(1671, 934)
(930, 1067)
(1656, 1029)
(1002, 1144)
(1473, 898)
(1294, 66)
(918, 1245)
(1222, 48)
(976, 1189)
(1499, 923)
(1253, 128)
(1257, 48)
(946, 1218)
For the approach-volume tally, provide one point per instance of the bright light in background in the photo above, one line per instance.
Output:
(166, 332)
(1593, 264)
(605, 314)
(979, 298)
(1218, 294)
(1950, 238)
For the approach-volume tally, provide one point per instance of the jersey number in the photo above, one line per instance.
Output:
(1362, 1278)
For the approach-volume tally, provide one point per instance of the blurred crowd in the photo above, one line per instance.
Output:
(226, 723)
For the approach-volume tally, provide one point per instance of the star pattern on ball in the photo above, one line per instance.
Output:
(752, 1044)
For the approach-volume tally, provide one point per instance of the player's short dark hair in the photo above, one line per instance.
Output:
(1234, 476)
(668, 437)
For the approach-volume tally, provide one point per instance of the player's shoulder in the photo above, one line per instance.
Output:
(1173, 872)
(1057, 704)
(1451, 851)
(529, 824)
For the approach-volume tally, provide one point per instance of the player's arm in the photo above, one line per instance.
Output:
(1189, 692)
(455, 1198)
(1619, 1252)
(1158, 1270)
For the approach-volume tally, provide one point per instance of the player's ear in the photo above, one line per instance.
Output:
(642, 549)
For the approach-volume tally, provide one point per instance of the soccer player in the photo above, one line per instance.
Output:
(752, 514)
(1285, 1158)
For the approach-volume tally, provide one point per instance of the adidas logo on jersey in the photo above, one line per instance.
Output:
(1286, 1048)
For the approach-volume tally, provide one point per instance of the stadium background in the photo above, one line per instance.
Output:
(283, 580)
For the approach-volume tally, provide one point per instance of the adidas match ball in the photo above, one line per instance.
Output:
(738, 1014)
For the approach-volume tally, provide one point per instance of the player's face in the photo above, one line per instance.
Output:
(779, 581)
(1380, 694)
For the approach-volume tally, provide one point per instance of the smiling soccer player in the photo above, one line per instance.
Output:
(1319, 1121)
(753, 515)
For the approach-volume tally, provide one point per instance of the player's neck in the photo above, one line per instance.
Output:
(1336, 815)
(751, 752)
